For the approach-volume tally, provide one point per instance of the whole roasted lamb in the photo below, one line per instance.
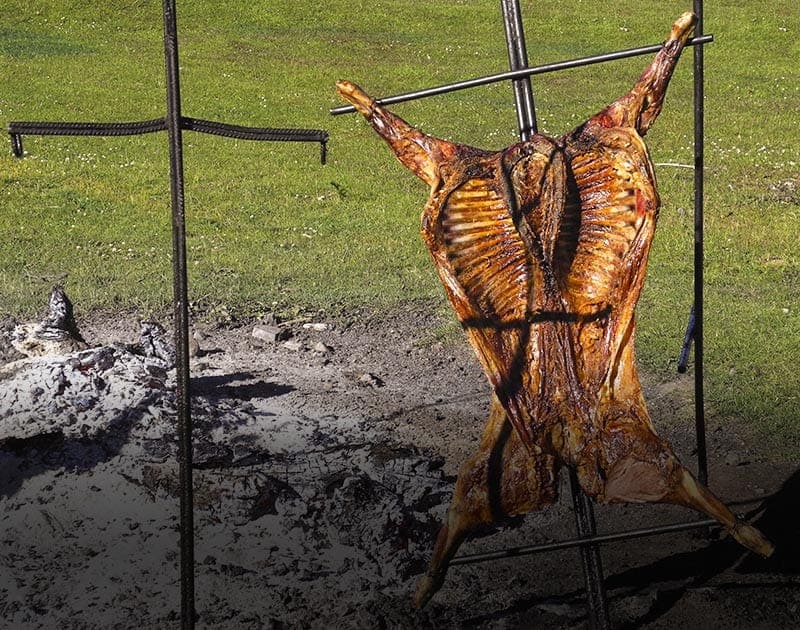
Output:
(542, 249)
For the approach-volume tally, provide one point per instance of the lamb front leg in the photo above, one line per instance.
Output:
(502, 479)
(423, 155)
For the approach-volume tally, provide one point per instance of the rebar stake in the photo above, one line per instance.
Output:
(697, 331)
(181, 315)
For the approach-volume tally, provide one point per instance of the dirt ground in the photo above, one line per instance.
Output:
(324, 462)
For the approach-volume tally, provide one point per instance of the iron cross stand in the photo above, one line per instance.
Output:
(519, 74)
(582, 506)
(174, 123)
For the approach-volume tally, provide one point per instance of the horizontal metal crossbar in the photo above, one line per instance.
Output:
(254, 133)
(17, 129)
(579, 542)
(87, 128)
(518, 74)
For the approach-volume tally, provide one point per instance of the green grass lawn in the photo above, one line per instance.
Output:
(270, 228)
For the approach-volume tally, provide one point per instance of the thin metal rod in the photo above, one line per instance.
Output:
(590, 557)
(683, 360)
(253, 133)
(17, 129)
(181, 315)
(591, 562)
(160, 124)
(516, 74)
(87, 128)
(699, 159)
(579, 542)
(518, 60)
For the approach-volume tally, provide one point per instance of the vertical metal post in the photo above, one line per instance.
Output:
(590, 557)
(181, 314)
(699, 146)
(584, 512)
(518, 60)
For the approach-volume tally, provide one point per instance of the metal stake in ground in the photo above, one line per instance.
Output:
(582, 505)
(697, 332)
(181, 314)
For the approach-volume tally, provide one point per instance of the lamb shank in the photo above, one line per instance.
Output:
(542, 249)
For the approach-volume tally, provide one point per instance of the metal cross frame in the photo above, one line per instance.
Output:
(520, 72)
(588, 541)
(174, 123)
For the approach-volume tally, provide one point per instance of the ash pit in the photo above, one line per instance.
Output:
(320, 480)
(289, 501)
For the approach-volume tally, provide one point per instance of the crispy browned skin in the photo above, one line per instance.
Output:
(542, 250)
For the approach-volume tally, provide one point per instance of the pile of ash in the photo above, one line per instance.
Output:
(315, 504)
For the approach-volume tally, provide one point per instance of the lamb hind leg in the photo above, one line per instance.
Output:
(693, 494)
(658, 477)
(499, 481)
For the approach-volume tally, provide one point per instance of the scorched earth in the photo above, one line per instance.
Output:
(324, 463)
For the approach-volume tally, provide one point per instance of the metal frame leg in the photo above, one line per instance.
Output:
(590, 558)
(584, 511)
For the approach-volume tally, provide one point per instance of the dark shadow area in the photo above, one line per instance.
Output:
(777, 519)
(527, 608)
(210, 352)
(478, 400)
(23, 459)
(692, 569)
(225, 386)
(681, 572)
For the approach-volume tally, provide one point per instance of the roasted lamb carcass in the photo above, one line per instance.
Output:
(542, 249)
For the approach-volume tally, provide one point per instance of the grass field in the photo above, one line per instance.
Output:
(270, 228)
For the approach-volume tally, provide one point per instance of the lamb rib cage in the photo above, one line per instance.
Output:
(542, 250)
